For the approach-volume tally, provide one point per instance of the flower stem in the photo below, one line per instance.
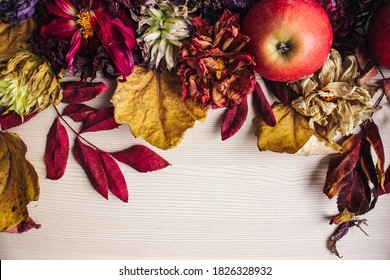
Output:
(74, 131)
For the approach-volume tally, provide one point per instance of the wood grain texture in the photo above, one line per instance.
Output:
(218, 200)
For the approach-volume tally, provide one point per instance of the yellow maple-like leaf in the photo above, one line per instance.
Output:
(18, 181)
(150, 103)
(290, 133)
(14, 37)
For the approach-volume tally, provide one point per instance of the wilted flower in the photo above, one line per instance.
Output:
(331, 97)
(213, 71)
(347, 18)
(14, 10)
(162, 28)
(28, 84)
(89, 25)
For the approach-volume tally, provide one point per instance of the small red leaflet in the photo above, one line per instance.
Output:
(75, 92)
(57, 150)
(141, 158)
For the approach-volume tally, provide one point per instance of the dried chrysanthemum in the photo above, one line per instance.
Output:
(162, 27)
(28, 84)
(331, 97)
(213, 71)
(14, 10)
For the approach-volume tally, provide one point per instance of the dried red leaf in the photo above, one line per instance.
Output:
(141, 158)
(78, 92)
(355, 196)
(342, 217)
(234, 119)
(367, 163)
(12, 119)
(386, 88)
(24, 226)
(78, 112)
(281, 91)
(100, 120)
(386, 190)
(373, 137)
(116, 180)
(341, 166)
(263, 107)
(57, 150)
(367, 73)
(89, 159)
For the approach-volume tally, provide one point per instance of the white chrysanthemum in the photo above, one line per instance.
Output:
(162, 28)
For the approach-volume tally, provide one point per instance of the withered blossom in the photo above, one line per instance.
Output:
(28, 84)
(331, 97)
(163, 27)
(213, 70)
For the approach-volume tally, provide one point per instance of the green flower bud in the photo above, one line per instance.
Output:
(28, 84)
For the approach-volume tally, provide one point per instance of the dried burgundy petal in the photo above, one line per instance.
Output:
(362, 55)
(79, 92)
(234, 119)
(386, 88)
(281, 91)
(100, 120)
(141, 158)
(57, 151)
(116, 180)
(12, 119)
(78, 112)
(89, 159)
(263, 107)
(24, 226)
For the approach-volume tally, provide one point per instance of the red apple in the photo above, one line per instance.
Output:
(289, 38)
(379, 36)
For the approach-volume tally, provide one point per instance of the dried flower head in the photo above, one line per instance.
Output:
(28, 84)
(213, 69)
(163, 27)
(331, 97)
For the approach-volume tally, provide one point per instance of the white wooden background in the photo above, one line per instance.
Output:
(218, 200)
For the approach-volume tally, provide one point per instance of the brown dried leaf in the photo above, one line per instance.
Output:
(14, 37)
(18, 181)
(342, 165)
(290, 133)
(373, 137)
(151, 103)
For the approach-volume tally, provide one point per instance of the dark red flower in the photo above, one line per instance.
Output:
(86, 23)
(213, 69)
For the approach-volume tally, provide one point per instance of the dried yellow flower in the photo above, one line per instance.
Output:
(28, 84)
(331, 97)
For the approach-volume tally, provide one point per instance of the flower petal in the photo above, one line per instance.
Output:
(57, 9)
(65, 8)
(59, 28)
(74, 47)
(117, 39)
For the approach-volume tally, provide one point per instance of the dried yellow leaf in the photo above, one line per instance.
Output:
(150, 103)
(290, 133)
(14, 37)
(18, 181)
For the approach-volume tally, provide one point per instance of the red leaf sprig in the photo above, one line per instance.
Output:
(100, 166)
(76, 92)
